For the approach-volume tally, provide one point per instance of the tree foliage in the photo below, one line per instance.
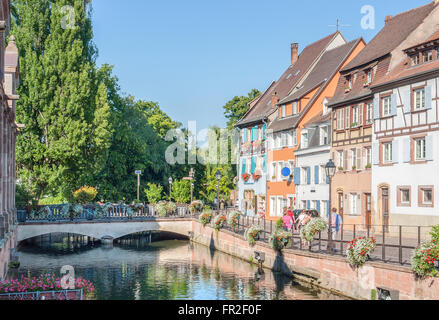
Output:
(236, 108)
(153, 193)
(181, 191)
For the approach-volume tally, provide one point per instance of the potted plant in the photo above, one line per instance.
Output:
(354, 168)
(233, 219)
(359, 250)
(252, 234)
(354, 124)
(340, 169)
(246, 177)
(205, 217)
(256, 177)
(196, 206)
(312, 228)
(368, 166)
(218, 222)
(279, 239)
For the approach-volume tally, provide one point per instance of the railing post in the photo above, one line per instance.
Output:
(400, 245)
(384, 243)
(419, 236)
(355, 231)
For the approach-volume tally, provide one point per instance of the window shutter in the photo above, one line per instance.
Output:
(428, 97)
(316, 174)
(245, 135)
(345, 160)
(376, 108)
(308, 175)
(429, 146)
(376, 154)
(328, 208)
(308, 204)
(360, 115)
(264, 129)
(253, 165)
(394, 104)
(297, 176)
(243, 166)
(407, 150)
(359, 158)
(407, 96)
(395, 151)
(254, 134)
(264, 165)
(318, 205)
(347, 117)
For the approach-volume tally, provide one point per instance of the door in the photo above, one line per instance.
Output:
(368, 206)
(340, 204)
(385, 207)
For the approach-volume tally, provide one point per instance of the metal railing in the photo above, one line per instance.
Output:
(115, 213)
(395, 244)
(45, 295)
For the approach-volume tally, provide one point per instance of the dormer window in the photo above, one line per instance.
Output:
(294, 107)
(427, 56)
(283, 108)
(368, 80)
(415, 59)
(348, 84)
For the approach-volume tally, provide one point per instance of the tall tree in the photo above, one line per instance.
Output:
(157, 118)
(236, 108)
(63, 105)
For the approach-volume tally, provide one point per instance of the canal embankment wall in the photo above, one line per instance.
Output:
(6, 244)
(326, 271)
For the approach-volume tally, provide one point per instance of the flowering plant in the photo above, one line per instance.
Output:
(279, 239)
(205, 217)
(47, 282)
(218, 222)
(359, 250)
(424, 258)
(196, 206)
(85, 194)
(256, 176)
(311, 228)
(246, 176)
(233, 219)
(251, 234)
(161, 209)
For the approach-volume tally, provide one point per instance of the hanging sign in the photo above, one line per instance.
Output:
(286, 172)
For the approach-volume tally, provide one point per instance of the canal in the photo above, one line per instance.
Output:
(134, 269)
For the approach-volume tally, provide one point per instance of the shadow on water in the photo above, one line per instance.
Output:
(134, 269)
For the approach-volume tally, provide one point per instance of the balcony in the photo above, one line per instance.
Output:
(253, 148)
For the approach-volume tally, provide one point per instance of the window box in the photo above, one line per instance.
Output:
(368, 166)
(246, 177)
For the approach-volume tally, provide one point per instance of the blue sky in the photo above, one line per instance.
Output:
(193, 56)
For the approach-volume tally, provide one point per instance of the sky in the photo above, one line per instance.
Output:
(193, 56)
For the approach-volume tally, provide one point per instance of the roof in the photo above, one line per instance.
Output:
(394, 32)
(318, 120)
(324, 71)
(287, 81)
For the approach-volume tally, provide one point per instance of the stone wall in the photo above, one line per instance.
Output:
(329, 272)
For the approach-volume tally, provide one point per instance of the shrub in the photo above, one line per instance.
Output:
(435, 233)
(424, 258)
(161, 209)
(171, 207)
(252, 233)
(218, 222)
(181, 191)
(279, 224)
(196, 206)
(233, 219)
(279, 240)
(153, 193)
(205, 217)
(85, 195)
(359, 250)
(311, 228)
(23, 197)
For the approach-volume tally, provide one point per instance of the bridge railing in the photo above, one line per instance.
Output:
(53, 213)
(45, 295)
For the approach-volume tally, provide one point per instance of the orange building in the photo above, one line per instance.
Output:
(319, 65)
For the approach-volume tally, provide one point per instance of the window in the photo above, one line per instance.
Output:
(420, 149)
(355, 116)
(369, 113)
(427, 56)
(387, 106)
(340, 119)
(272, 206)
(278, 141)
(294, 137)
(304, 140)
(415, 59)
(324, 136)
(369, 76)
(290, 138)
(322, 175)
(349, 84)
(284, 139)
(354, 203)
(368, 157)
(340, 159)
(283, 111)
(347, 117)
(280, 166)
(294, 107)
(404, 196)
(426, 196)
(354, 159)
(273, 171)
(419, 96)
(387, 152)
(260, 134)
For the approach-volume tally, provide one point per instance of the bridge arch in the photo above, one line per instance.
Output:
(102, 230)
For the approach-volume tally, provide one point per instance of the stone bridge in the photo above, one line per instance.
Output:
(105, 230)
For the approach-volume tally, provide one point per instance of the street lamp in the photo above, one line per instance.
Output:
(192, 176)
(218, 178)
(330, 172)
(170, 187)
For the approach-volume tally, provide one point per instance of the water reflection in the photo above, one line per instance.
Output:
(166, 270)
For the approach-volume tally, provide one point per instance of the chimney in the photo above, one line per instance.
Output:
(388, 18)
(274, 99)
(294, 52)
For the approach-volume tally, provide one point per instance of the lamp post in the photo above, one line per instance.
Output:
(218, 178)
(192, 176)
(330, 172)
(170, 180)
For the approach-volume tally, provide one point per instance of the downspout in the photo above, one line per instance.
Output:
(264, 121)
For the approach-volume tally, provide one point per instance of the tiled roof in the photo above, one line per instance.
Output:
(287, 81)
(325, 70)
(284, 123)
(318, 119)
(394, 32)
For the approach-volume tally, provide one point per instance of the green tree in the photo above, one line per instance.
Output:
(158, 119)
(63, 105)
(236, 108)
(154, 193)
(181, 191)
(210, 183)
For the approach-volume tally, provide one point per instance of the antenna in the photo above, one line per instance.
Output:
(338, 25)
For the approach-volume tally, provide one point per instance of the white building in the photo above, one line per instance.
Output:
(312, 186)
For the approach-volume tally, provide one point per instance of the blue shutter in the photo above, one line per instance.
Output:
(406, 150)
(395, 151)
(316, 174)
(264, 129)
(318, 206)
(245, 135)
(394, 105)
(297, 176)
(428, 97)
(243, 167)
(308, 175)
(308, 204)
(264, 164)
(253, 167)
(376, 108)
(429, 144)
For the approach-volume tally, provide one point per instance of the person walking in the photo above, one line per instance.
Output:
(336, 224)
(287, 222)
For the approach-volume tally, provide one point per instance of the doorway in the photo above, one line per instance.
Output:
(368, 207)
(385, 207)
(341, 204)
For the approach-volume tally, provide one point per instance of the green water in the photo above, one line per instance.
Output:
(163, 270)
